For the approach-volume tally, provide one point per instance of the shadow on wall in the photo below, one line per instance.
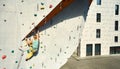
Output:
(77, 8)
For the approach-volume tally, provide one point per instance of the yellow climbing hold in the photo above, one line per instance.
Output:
(42, 8)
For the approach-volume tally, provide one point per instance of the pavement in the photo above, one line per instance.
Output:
(98, 62)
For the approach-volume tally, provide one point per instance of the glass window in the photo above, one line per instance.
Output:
(89, 49)
(116, 9)
(97, 49)
(116, 25)
(115, 50)
(98, 2)
(98, 17)
(98, 32)
(116, 38)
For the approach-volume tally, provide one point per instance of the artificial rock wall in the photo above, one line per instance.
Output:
(59, 37)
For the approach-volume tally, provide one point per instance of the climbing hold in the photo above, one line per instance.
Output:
(60, 49)
(41, 47)
(22, 1)
(69, 37)
(42, 8)
(20, 12)
(51, 58)
(4, 68)
(42, 51)
(30, 67)
(42, 3)
(4, 56)
(33, 23)
(12, 51)
(35, 15)
(65, 52)
(21, 46)
(54, 27)
(16, 61)
(73, 37)
(48, 35)
(3, 4)
(41, 42)
(43, 15)
(67, 47)
(33, 65)
(22, 24)
(57, 54)
(50, 6)
(5, 20)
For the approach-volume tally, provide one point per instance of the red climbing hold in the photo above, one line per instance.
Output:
(4, 56)
(4, 68)
(50, 6)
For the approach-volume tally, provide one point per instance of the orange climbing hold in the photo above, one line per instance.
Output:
(4, 56)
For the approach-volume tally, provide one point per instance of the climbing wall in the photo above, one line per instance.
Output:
(14, 15)
(32, 12)
(9, 35)
(59, 37)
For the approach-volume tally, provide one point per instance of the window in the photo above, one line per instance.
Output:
(116, 9)
(98, 2)
(97, 49)
(98, 17)
(89, 49)
(98, 32)
(116, 25)
(116, 38)
(115, 50)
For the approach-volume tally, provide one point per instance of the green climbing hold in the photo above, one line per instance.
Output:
(41, 47)
(16, 61)
(12, 51)
(42, 3)
(30, 67)
(35, 15)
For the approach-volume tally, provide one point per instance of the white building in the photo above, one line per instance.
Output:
(101, 31)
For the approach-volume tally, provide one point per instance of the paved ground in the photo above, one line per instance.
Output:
(101, 62)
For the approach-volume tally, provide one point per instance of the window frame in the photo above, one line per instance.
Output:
(98, 33)
(98, 2)
(98, 17)
(116, 25)
(116, 9)
(115, 38)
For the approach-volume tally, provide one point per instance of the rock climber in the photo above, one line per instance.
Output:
(33, 45)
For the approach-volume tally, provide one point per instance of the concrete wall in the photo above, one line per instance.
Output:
(108, 17)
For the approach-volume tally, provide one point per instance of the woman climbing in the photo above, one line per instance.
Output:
(33, 45)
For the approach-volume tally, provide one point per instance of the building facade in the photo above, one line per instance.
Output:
(101, 33)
